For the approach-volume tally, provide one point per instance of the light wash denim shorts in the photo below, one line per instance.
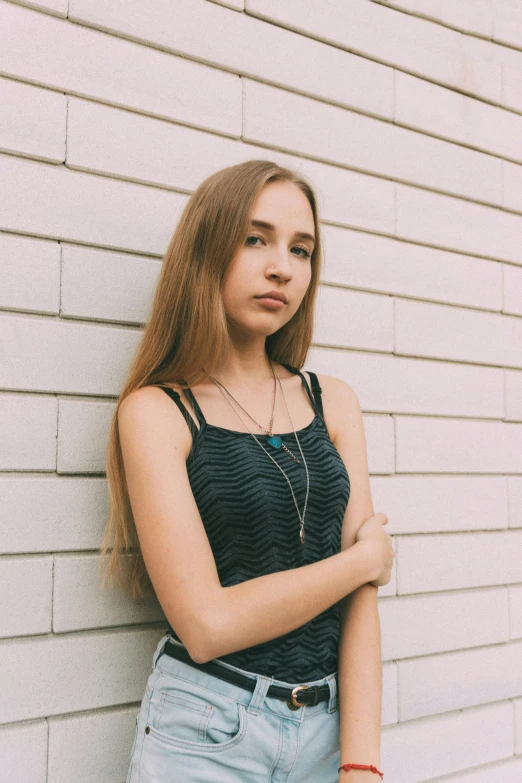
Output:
(194, 727)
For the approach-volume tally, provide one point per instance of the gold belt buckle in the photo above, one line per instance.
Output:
(293, 703)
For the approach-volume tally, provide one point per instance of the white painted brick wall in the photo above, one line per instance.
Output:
(406, 116)
(23, 750)
(464, 678)
(72, 740)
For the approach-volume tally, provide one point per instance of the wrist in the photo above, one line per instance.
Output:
(368, 559)
(355, 774)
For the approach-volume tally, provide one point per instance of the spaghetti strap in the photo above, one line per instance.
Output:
(173, 394)
(315, 398)
(317, 391)
(195, 405)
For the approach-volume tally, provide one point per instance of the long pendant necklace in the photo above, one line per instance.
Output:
(301, 516)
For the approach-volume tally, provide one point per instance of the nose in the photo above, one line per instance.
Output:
(280, 265)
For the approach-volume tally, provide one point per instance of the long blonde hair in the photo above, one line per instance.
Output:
(187, 329)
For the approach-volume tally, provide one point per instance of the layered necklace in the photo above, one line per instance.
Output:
(275, 441)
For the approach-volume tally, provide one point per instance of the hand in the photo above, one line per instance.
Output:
(372, 533)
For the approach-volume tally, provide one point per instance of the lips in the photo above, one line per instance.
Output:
(273, 295)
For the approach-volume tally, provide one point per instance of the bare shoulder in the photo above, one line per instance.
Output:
(142, 402)
(149, 413)
(340, 404)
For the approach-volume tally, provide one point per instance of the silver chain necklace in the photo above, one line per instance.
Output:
(274, 440)
(301, 517)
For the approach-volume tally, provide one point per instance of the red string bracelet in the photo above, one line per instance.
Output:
(348, 767)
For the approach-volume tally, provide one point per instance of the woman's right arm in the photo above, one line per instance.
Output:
(212, 620)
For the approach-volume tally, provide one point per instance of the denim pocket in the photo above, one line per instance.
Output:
(183, 717)
(186, 714)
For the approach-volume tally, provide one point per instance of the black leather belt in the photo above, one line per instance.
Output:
(308, 695)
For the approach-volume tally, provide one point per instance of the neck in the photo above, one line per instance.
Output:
(245, 367)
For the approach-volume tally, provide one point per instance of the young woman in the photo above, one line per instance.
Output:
(240, 493)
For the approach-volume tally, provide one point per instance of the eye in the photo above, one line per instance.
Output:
(304, 251)
(253, 236)
(306, 254)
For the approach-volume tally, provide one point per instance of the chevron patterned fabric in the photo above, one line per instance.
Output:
(253, 527)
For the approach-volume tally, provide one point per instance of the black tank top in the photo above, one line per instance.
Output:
(252, 524)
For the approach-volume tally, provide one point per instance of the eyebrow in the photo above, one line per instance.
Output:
(270, 227)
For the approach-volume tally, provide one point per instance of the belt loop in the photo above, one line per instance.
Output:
(332, 683)
(159, 649)
(258, 697)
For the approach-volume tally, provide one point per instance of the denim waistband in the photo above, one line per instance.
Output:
(258, 700)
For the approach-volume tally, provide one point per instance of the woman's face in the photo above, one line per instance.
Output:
(276, 257)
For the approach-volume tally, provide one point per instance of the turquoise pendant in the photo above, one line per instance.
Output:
(275, 441)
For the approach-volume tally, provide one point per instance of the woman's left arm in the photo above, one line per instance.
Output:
(360, 684)
(360, 666)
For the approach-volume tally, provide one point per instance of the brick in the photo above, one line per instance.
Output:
(515, 611)
(476, 17)
(52, 514)
(452, 742)
(60, 356)
(75, 59)
(428, 445)
(56, 7)
(30, 274)
(508, 24)
(444, 332)
(408, 43)
(123, 143)
(23, 750)
(353, 319)
(83, 434)
(512, 289)
(407, 385)
(491, 50)
(438, 504)
(512, 88)
(379, 443)
(26, 587)
(389, 693)
(100, 284)
(509, 771)
(512, 185)
(367, 144)
(418, 624)
(188, 27)
(32, 121)
(72, 739)
(75, 672)
(53, 201)
(513, 395)
(386, 265)
(428, 563)
(464, 679)
(514, 484)
(454, 224)
(80, 602)
(28, 424)
(456, 117)
(509, 60)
